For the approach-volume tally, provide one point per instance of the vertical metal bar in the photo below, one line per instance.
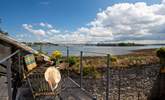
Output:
(108, 76)
(81, 69)
(119, 84)
(9, 79)
(67, 61)
(40, 48)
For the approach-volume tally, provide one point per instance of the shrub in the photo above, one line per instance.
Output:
(113, 59)
(96, 74)
(56, 54)
(161, 52)
(87, 71)
(91, 71)
(72, 60)
(55, 57)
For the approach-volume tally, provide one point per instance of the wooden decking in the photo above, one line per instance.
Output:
(3, 89)
(71, 91)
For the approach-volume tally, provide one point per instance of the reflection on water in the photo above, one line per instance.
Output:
(75, 50)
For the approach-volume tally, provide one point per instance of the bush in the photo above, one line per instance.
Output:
(55, 57)
(87, 71)
(91, 71)
(113, 59)
(72, 60)
(161, 54)
(56, 54)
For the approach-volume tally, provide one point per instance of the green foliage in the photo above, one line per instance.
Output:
(91, 71)
(161, 52)
(87, 71)
(113, 59)
(72, 60)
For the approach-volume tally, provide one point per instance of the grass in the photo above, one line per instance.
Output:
(92, 64)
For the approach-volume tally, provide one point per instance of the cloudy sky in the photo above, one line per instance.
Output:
(84, 21)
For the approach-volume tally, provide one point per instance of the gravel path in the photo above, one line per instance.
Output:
(135, 83)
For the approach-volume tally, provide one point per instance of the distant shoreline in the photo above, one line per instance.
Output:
(98, 44)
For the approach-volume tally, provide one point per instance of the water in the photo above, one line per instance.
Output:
(95, 50)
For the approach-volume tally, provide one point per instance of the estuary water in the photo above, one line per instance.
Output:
(94, 50)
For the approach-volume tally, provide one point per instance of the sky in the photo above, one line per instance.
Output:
(84, 21)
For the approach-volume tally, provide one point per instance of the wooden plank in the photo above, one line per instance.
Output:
(3, 88)
(9, 80)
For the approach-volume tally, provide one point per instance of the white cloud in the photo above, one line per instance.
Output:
(129, 21)
(41, 29)
(29, 28)
(54, 31)
(46, 25)
(42, 24)
(120, 22)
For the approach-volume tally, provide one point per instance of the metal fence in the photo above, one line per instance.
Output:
(99, 78)
(96, 76)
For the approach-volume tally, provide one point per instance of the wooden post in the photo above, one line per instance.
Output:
(81, 69)
(9, 79)
(108, 76)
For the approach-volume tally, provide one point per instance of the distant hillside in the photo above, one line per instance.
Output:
(40, 43)
(119, 44)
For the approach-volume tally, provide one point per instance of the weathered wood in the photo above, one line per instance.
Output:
(9, 80)
(3, 88)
